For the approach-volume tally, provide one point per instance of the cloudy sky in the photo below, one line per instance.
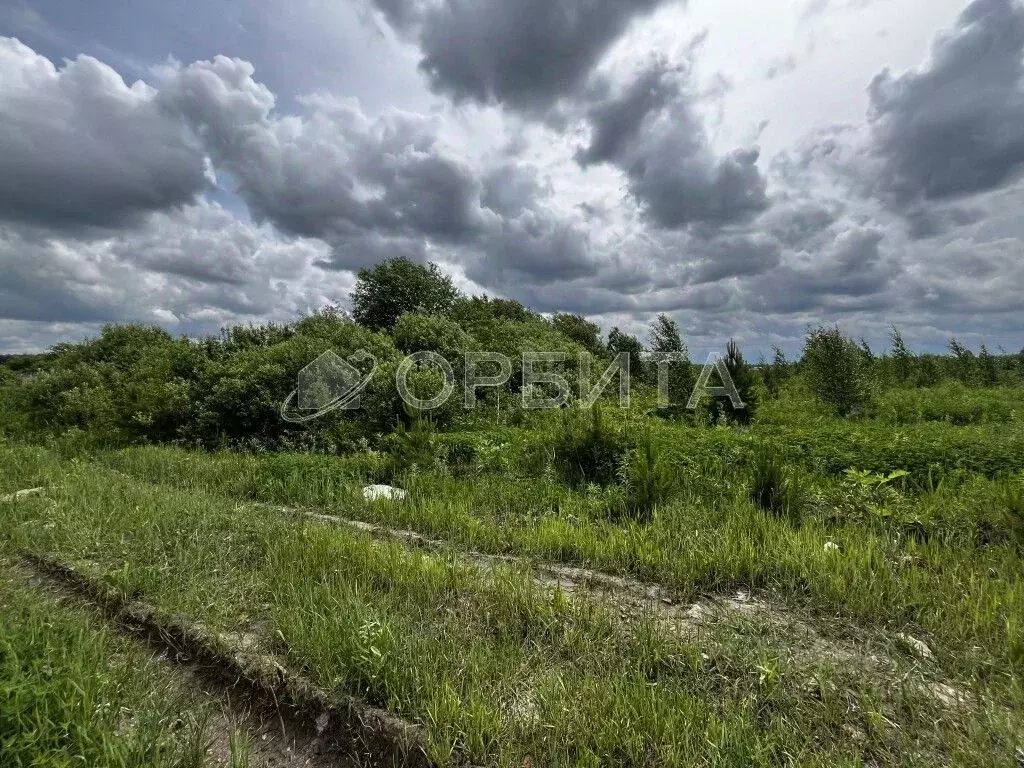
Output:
(748, 168)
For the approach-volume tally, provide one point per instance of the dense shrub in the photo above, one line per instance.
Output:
(587, 450)
(131, 383)
(578, 329)
(622, 343)
(411, 448)
(835, 370)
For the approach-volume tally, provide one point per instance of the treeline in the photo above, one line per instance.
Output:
(139, 384)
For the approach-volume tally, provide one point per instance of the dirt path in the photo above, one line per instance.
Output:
(870, 653)
(289, 722)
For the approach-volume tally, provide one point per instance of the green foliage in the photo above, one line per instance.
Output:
(619, 343)
(430, 333)
(988, 369)
(649, 481)
(902, 357)
(951, 402)
(665, 340)
(777, 373)
(480, 310)
(411, 448)
(665, 337)
(387, 291)
(130, 384)
(835, 370)
(578, 329)
(721, 409)
(775, 488)
(587, 450)
(964, 360)
(928, 373)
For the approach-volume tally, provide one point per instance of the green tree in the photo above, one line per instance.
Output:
(835, 370)
(387, 291)
(988, 368)
(619, 342)
(903, 358)
(579, 329)
(666, 340)
(776, 374)
(665, 336)
(963, 360)
(745, 379)
(865, 348)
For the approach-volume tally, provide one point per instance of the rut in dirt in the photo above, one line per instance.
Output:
(291, 722)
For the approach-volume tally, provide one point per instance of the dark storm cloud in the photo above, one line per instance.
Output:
(536, 248)
(523, 53)
(331, 172)
(851, 274)
(651, 131)
(372, 188)
(796, 223)
(737, 256)
(955, 126)
(617, 119)
(80, 148)
(512, 189)
(39, 282)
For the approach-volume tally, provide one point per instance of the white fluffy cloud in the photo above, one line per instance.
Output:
(603, 184)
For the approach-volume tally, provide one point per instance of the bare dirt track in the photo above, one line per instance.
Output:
(287, 720)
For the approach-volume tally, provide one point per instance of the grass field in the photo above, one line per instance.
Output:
(507, 618)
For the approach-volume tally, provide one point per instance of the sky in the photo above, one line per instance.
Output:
(750, 169)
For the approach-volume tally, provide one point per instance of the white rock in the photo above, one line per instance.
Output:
(696, 612)
(831, 546)
(920, 647)
(22, 494)
(375, 492)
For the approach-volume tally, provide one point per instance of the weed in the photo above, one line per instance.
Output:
(588, 451)
(649, 481)
(774, 487)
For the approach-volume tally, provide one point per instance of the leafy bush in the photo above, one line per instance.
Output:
(586, 450)
(411, 448)
(579, 329)
(835, 370)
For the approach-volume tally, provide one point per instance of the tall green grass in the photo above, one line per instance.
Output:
(72, 694)
(499, 669)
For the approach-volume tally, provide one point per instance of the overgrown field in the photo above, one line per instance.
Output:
(794, 601)
(830, 576)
